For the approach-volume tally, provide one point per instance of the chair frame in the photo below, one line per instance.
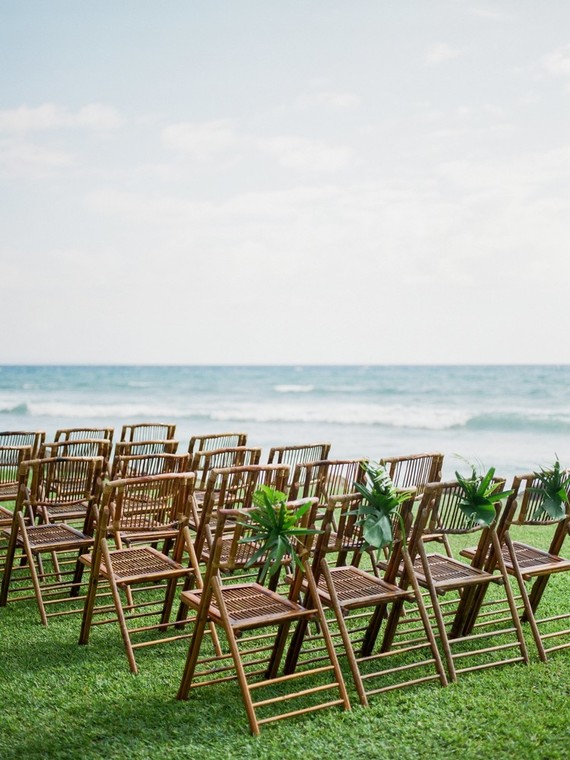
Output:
(231, 606)
(216, 441)
(136, 432)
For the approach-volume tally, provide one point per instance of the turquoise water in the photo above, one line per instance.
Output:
(513, 417)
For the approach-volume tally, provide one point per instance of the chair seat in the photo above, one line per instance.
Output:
(139, 564)
(357, 588)
(249, 605)
(532, 561)
(66, 511)
(53, 536)
(9, 490)
(448, 573)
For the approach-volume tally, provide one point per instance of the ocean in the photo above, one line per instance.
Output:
(515, 418)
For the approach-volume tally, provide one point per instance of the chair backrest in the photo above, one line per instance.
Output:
(233, 488)
(524, 505)
(203, 462)
(142, 465)
(446, 517)
(23, 438)
(414, 471)
(301, 454)
(329, 477)
(87, 447)
(76, 434)
(148, 431)
(141, 448)
(58, 480)
(11, 458)
(342, 526)
(143, 505)
(216, 441)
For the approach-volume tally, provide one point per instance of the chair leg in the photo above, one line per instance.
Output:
(33, 572)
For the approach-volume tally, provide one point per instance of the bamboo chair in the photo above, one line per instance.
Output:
(302, 454)
(62, 542)
(360, 599)
(140, 448)
(466, 584)
(216, 441)
(529, 564)
(231, 488)
(23, 438)
(11, 459)
(78, 434)
(248, 614)
(147, 576)
(416, 471)
(148, 431)
(329, 477)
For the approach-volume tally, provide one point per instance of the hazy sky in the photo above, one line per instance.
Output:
(264, 181)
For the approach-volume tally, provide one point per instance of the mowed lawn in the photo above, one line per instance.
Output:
(60, 700)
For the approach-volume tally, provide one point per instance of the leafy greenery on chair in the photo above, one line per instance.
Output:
(272, 524)
(480, 496)
(554, 487)
(381, 503)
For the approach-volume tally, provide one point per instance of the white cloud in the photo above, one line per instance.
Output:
(333, 99)
(29, 161)
(557, 63)
(51, 116)
(301, 153)
(199, 140)
(441, 52)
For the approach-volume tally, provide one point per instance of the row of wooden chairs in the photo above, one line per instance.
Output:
(205, 543)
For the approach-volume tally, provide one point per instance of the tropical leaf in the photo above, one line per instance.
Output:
(273, 527)
(381, 502)
(555, 483)
(479, 496)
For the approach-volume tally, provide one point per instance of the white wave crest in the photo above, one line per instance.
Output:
(293, 388)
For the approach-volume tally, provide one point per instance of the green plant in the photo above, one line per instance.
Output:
(554, 488)
(381, 502)
(480, 496)
(273, 526)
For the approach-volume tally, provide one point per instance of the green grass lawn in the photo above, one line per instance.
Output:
(60, 700)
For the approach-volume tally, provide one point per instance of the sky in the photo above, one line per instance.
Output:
(270, 182)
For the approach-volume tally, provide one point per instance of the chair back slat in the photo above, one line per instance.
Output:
(142, 465)
(299, 454)
(326, 478)
(414, 471)
(446, 517)
(216, 441)
(524, 504)
(148, 431)
(23, 438)
(203, 462)
(11, 459)
(76, 434)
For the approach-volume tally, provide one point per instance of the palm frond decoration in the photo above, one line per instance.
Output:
(272, 525)
(554, 485)
(480, 496)
(381, 503)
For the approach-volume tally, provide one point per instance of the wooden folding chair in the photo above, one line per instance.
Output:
(134, 511)
(231, 488)
(34, 439)
(148, 431)
(216, 441)
(300, 454)
(50, 550)
(361, 600)
(326, 478)
(465, 584)
(530, 564)
(248, 614)
(416, 471)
